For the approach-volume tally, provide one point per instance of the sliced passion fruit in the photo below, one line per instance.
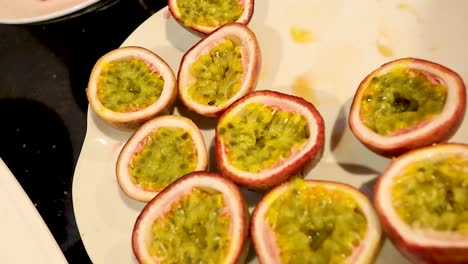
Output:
(130, 85)
(266, 137)
(422, 202)
(303, 220)
(200, 218)
(219, 69)
(158, 153)
(205, 16)
(406, 104)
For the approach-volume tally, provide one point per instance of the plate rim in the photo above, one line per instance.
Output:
(47, 16)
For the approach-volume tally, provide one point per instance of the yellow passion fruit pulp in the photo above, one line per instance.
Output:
(400, 99)
(316, 223)
(128, 84)
(169, 153)
(259, 136)
(218, 74)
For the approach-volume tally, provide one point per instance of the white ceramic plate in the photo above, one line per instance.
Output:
(346, 41)
(33, 11)
(25, 236)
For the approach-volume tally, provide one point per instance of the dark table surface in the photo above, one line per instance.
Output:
(44, 72)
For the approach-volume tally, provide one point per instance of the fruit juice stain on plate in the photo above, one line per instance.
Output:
(302, 35)
(408, 8)
(302, 87)
(384, 44)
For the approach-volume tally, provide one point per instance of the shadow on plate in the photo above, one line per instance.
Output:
(350, 154)
(212, 164)
(252, 255)
(368, 188)
(358, 169)
(203, 122)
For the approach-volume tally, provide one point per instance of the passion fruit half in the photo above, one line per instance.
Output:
(303, 220)
(406, 104)
(219, 69)
(266, 137)
(422, 202)
(130, 85)
(158, 153)
(200, 218)
(205, 16)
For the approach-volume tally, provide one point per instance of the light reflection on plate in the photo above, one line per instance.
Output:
(345, 49)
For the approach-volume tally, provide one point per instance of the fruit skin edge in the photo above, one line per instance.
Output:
(130, 121)
(438, 134)
(251, 86)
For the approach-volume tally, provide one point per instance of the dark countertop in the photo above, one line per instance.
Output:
(44, 72)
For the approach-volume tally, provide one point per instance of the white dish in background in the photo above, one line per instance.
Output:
(33, 11)
(25, 236)
(347, 40)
